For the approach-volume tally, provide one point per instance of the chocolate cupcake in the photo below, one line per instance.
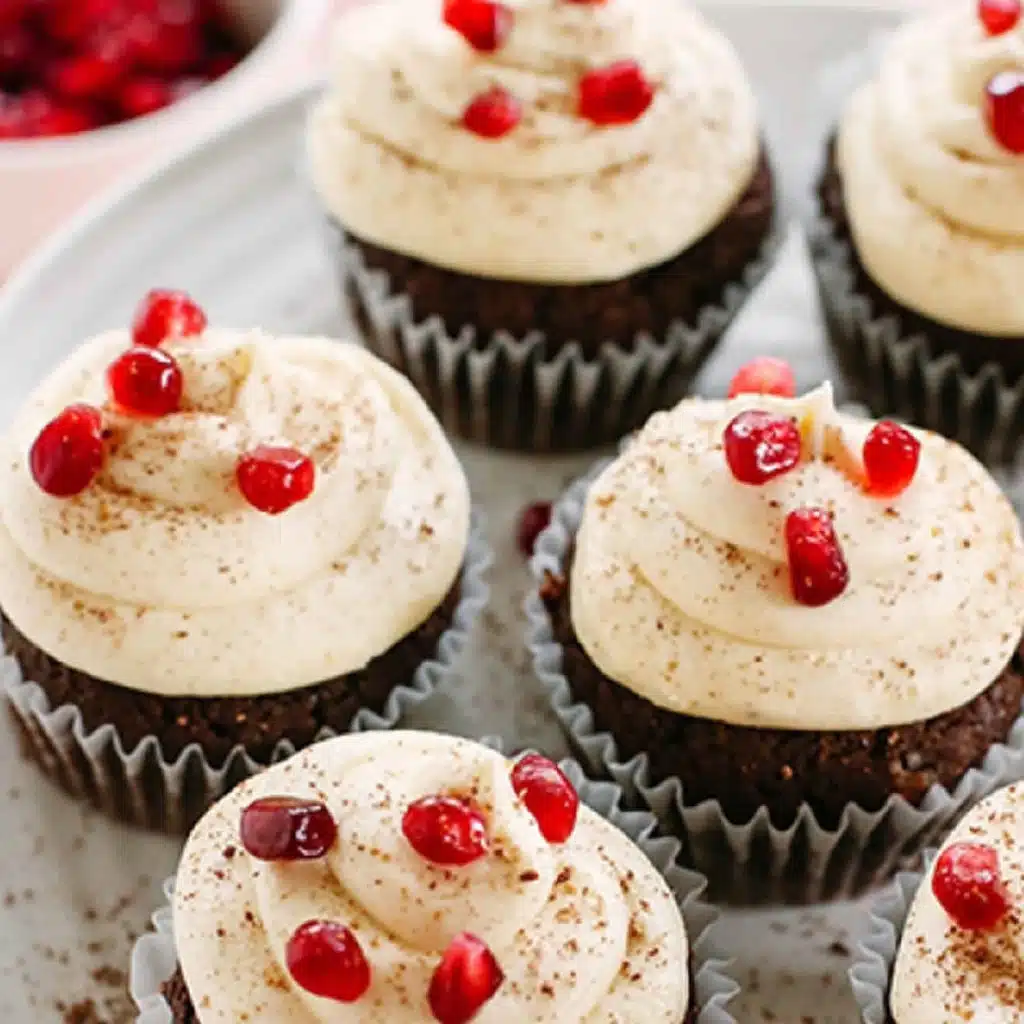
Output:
(417, 877)
(217, 546)
(793, 632)
(946, 945)
(546, 214)
(920, 247)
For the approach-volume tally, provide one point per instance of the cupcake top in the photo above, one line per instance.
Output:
(552, 141)
(247, 514)
(961, 958)
(447, 878)
(931, 154)
(766, 562)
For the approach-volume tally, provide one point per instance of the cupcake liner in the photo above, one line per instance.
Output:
(751, 862)
(154, 959)
(875, 956)
(507, 395)
(142, 787)
(902, 376)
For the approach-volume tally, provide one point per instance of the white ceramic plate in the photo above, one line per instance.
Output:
(232, 222)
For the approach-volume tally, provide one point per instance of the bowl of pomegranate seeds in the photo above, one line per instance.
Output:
(90, 88)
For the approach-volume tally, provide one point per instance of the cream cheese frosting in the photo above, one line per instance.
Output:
(946, 975)
(160, 577)
(586, 931)
(558, 200)
(680, 588)
(935, 204)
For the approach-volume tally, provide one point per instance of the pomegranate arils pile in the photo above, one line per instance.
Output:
(326, 959)
(968, 885)
(71, 65)
(548, 795)
(286, 828)
(446, 830)
(467, 978)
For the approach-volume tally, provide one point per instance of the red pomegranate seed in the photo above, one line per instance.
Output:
(87, 76)
(764, 376)
(326, 959)
(817, 567)
(533, 521)
(484, 24)
(173, 44)
(273, 479)
(616, 94)
(967, 884)
(141, 96)
(760, 446)
(999, 16)
(19, 54)
(65, 119)
(146, 382)
(285, 828)
(446, 830)
(492, 114)
(68, 453)
(1005, 109)
(467, 978)
(163, 315)
(14, 12)
(548, 795)
(891, 455)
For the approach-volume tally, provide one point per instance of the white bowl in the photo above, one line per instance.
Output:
(43, 181)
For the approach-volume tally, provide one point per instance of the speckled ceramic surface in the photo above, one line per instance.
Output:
(234, 224)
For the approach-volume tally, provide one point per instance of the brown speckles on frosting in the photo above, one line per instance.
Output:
(561, 920)
(681, 593)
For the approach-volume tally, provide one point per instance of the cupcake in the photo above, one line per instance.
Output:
(215, 546)
(794, 632)
(920, 248)
(415, 877)
(545, 213)
(947, 945)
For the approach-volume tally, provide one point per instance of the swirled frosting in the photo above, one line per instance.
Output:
(935, 204)
(160, 577)
(557, 200)
(944, 973)
(680, 586)
(586, 931)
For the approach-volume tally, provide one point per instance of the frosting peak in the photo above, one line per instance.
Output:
(681, 588)
(162, 547)
(557, 199)
(560, 920)
(936, 204)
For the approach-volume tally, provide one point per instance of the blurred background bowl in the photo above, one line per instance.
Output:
(43, 181)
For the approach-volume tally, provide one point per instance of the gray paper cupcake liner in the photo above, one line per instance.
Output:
(142, 787)
(875, 956)
(507, 394)
(901, 376)
(751, 862)
(154, 959)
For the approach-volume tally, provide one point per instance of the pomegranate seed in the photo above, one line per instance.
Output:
(68, 453)
(967, 884)
(273, 479)
(326, 959)
(764, 376)
(445, 830)
(616, 94)
(89, 76)
(467, 977)
(999, 16)
(484, 24)
(891, 455)
(492, 114)
(141, 96)
(1005, 109)
(165, 314)
(65, 120)
(760, 446)
(19, 54)
(548, 795)
(533, 521)
(13, 12)
(173, 42)
(146, 382)
(817, 567)
(284, 828)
